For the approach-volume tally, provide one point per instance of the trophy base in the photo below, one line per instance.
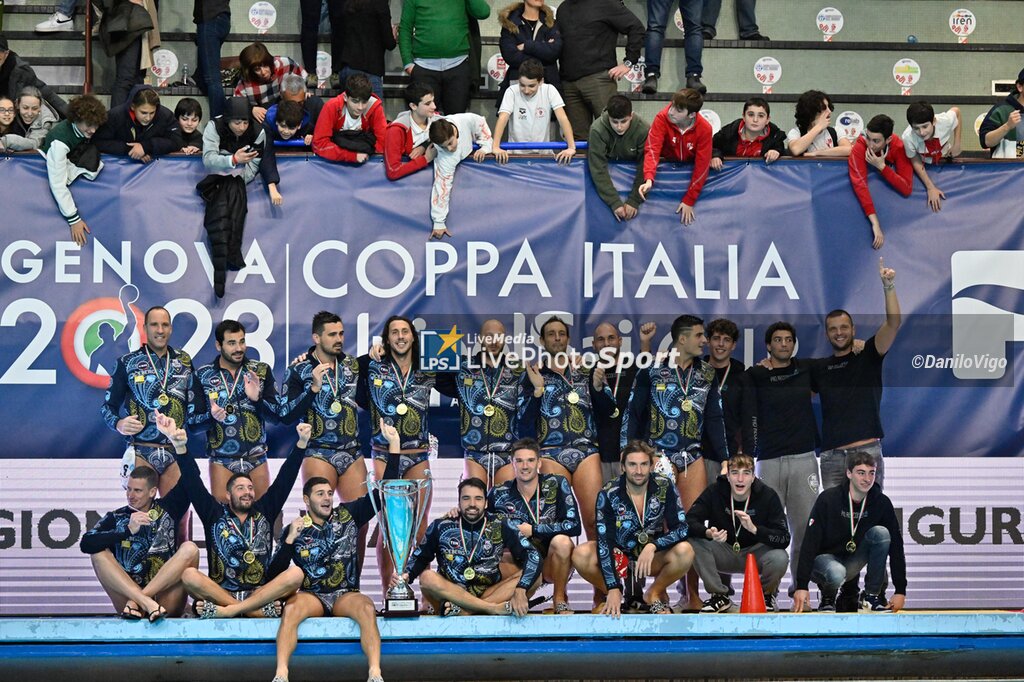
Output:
(400, 608)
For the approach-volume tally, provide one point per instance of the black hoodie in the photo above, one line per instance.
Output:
(712, 509)
(121, 129)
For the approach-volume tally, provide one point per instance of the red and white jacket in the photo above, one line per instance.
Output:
(401, 137)
(332, 119)
(665, 140)
(900, 179)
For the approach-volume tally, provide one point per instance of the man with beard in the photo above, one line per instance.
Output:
(640, 519)
(237, 396)
(153, 380)
(849, 386)
(468, 550)
(544, 510)
(238, 534)
(607, 343)
(490, 395)
(565, 412)
(132, 550)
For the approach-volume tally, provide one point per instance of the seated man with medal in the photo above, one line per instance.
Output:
(133, 551)
(852, 526)
(544, 510)
(468, 550)
(238, 534)
(640, 527)
(735, 516)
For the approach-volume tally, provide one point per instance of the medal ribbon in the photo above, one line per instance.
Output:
(679, 377)
(403, 380)
(497, 383)
(234, 385)
(568, 382)
(640, 514)
(252, 531)
(167, 368)
(732, 508)
(465, 545)
(860, 514)
(337, 382)
(536, 517)
(725, 377)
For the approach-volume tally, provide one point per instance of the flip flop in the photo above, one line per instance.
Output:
(449, 609)
(563, 608)
(274, 609)
(132, 613)
(156, 614)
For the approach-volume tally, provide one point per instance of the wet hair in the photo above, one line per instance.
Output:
(689, 99)
(808, 106)
(322, 319)
(778, 326)
(227, 327)
(188, 106)
(472, 482)
(145, 318)
(757, 102)
(882, 125)
(530, 444)
(307, 487)
(684, 323)
(235, 477)
(357, 86)
(252, 57)
(88, 110)
(636, 446)
(386, 341)
(289, 114)
(920, 112)
(858, 458)
(531, 68)
(619, 107)
(414, 92)
(725, 328)
(146, 96)
(442, 130)
(146, 473)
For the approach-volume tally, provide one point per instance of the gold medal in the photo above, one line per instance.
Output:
(489, 410)
(307, 521)
(851, 546)
(126, 544)
(573, 397)
(335, 407)
(249, 557)
(163, 399)
(736, 547)
(643, 538)
(230, 409)
(469, 573)
(687, 405)
(401, 409)
(154, 514)
(615, 414)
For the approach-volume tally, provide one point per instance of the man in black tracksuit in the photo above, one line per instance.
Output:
(851, 526)
(735, 516)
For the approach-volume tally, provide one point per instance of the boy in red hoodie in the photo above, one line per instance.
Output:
(352, 125)
(409, 134)
(679, 133)
(879, 148)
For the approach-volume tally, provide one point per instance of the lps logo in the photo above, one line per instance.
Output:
(439, 350)
(100, 331)
(985, 287)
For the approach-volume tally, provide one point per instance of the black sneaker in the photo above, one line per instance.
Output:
(826, 602)
(771, 602)
(650, 85)
(716, 603)
(874, 603)
(708, 35)
(849, 598)
(693, 81)
(756, 36)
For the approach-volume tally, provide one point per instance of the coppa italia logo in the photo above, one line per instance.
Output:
(98, 332)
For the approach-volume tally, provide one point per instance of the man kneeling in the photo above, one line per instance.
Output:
(632, 513)
(735, 516)
(133, 552)
(468, 551)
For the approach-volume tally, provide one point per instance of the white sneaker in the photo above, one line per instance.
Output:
(56, 23)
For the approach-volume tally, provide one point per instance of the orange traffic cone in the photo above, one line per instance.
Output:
(753, 597)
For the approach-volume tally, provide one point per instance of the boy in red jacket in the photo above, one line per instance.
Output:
(409, 134)
(679, 133)
(879, 148)
(352, 125)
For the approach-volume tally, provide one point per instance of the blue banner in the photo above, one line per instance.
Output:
(787, 241)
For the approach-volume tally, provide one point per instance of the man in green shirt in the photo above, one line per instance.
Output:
(617, 135)
(434, 39)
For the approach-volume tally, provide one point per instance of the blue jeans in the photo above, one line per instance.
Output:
(831, 571)
(210, 37)
(745, 17)
(693, 40)
(376, 82)
(67, 7)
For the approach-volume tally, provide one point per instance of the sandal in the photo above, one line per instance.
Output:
(508, 608)
(278, 678)
(132, 612)
(563, 608)
(156, 614)
(207, 610)
(658, 607)
(274, 609)
(450, 609)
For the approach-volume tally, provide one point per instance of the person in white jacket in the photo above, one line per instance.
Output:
(33, 120)
(453, 136)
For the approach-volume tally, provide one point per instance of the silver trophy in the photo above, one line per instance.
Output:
(403, 504)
